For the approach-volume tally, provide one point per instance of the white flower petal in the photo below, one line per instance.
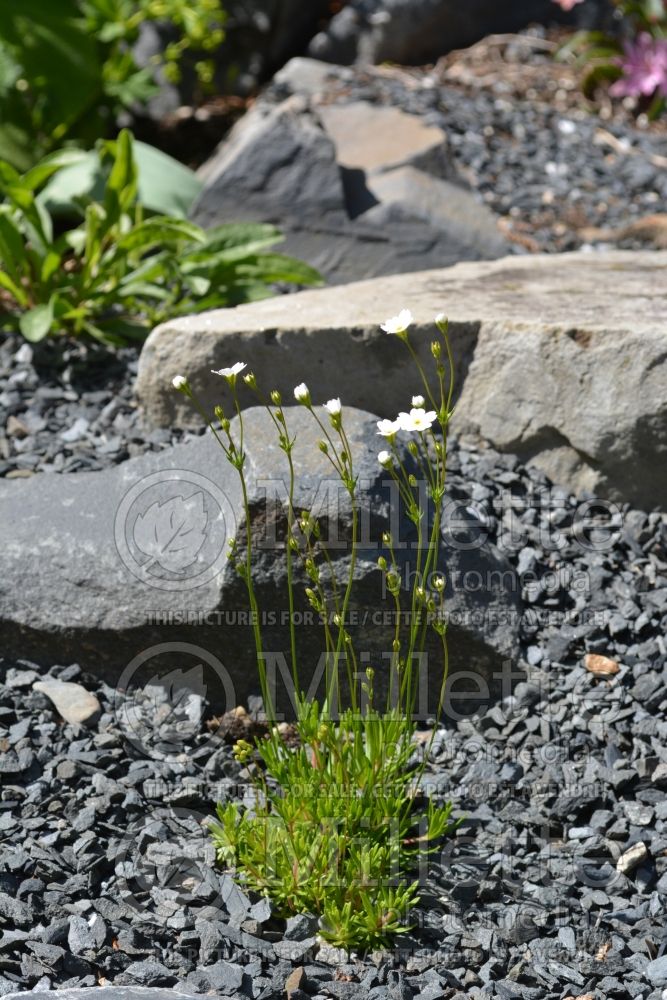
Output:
(417, 420)
(388, 428)
(333, 406)
(398, 324)
(231, 372)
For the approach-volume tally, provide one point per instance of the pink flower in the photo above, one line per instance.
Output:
(644, 67)
(567, 4)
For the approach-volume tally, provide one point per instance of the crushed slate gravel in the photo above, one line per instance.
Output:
(555, 883)
(546, 162)
(69, 407)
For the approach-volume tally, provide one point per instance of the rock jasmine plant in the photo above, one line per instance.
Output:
(339, 825)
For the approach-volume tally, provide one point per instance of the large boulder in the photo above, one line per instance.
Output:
(559, 358)
(129, 572)
(318, 173)
(413, 32)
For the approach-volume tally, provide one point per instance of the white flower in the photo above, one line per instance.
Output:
(418, 401)
(385, 459)
(301, 393)
(440, 318)
(388, 428)
(230, 373)
(416, 420)
(398, 324)
(333, 406)
(179, 381)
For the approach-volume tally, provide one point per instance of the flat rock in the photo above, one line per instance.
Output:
(131, 575)
(538, 344)
(76, 705)
(373, 138)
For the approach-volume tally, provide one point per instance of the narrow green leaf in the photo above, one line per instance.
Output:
(12, 253)
(235, 234)
(14, 289)
(161, 229)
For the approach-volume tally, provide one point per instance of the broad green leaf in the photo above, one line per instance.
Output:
(50, 165)
(198, 285)
(165, 186)
(36, 323)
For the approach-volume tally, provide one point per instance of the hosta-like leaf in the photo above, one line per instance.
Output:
(36, 323)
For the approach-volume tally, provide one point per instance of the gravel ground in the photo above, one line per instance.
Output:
(69, 409)
(550, 164)
(556, 882)
(554, 886)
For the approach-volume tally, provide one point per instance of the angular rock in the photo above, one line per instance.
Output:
(451, 212)
(306, 166)
(656, 971)
(76, 705)
(537, 343)
(131, 575)
(634, 856)
(277, 164)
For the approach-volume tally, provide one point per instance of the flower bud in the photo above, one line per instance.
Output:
(276, 398)
(442, 323)
(382, 563)
(436, 349)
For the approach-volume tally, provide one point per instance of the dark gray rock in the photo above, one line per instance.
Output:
(419, 31)
(309, 170)
(69, 592)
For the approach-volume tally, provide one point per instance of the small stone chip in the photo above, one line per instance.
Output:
(295, 981)
(632, 857)
(76, 705)
(601, 666)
